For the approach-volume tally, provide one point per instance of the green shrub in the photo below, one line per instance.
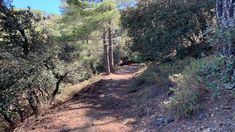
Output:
(157, 27)
(214, 73)
(211, 74)
(185, 100)
(200, 75)
(233, 93)
(184, 103)
(187, 90)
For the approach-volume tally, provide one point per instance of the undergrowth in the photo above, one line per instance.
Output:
(189, 79)
(186, 91)
(157, 74)
(69, 91)
(201, 75)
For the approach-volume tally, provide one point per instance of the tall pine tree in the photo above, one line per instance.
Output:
(94, 16)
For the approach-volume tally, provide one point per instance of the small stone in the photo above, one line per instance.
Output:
(212, 115)
(221, 124)
(207, 130)
(102, 96)
(145, 130)
(159, 121)
(229, 86)
(169, 120)
(200, 115)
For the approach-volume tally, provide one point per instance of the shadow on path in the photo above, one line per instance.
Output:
(105, 106)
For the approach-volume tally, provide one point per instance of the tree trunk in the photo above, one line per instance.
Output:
(19, 110)
(111, 61)
(26, 44)
(225, 16)
(32, 100)
(87, 39)
(21, 113)
(106, 54)
(1, 3)
(57, 87)
(225, 11)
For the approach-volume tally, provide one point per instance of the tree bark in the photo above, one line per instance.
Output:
(226, 20)
(31, 97)
(106, 54)
(57, 87)
(25, 42)
(111, 61)
(1, 3)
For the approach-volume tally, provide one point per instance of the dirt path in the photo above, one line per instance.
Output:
(102, 107)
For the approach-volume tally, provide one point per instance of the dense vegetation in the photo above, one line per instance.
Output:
(174, 31)
(40, 55)
(160, 29)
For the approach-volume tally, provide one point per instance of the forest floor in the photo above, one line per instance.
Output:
(108, 106)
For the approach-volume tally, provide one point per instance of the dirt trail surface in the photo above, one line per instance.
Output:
(104, 106)
(108, 106)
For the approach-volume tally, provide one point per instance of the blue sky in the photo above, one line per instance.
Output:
(50, 6)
